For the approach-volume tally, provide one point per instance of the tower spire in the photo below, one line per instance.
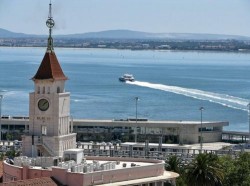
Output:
(50, 24)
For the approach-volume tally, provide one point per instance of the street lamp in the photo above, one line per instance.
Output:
(201, 138)
(136, 102)
(1, 98)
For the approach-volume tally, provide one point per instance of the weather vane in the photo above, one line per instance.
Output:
(50, 24)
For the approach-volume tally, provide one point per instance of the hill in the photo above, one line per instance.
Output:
(8, 34)
(128, 34)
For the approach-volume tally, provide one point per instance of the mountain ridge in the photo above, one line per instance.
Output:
(128, 34)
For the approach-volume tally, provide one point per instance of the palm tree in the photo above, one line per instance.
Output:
(205, 170)
(173, 163)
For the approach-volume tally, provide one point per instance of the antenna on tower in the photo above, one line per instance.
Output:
(50, 24)
(50, 10)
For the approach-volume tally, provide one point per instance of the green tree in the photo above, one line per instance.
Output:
(236, 170)
(174, 163)
(12, 153)
(1, 156)
(9, 136)
(205, 170)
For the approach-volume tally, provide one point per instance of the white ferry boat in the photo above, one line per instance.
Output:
(126, 77)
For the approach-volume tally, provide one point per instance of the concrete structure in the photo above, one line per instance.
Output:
(235, 136)
(178, 132)
(73, 154)
(181, 132)
(125, 171)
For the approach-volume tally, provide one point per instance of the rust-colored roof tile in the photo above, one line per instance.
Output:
(1, 169)
(50, 68)
(45, 181)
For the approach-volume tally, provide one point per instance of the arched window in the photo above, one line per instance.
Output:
(38, 90)
(58, 89)
(48, 90)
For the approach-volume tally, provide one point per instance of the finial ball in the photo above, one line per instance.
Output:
(50, 23)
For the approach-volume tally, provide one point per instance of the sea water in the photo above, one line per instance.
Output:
(171, 85)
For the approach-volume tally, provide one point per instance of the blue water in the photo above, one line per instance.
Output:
(170, 85)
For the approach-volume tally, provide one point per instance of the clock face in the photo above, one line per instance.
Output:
(43, 104)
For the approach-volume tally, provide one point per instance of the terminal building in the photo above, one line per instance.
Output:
(49, 142)
(172, 132)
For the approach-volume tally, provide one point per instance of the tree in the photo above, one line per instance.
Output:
(1, 156)
(205, 170)
(236, 170)
(174, 163)
(9, 136)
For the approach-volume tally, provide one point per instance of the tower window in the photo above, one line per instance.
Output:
(43, 90)
(48, 90)
(58, 89)
(44, 130)
(38, 90)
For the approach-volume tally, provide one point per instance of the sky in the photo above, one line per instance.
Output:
(230, 17)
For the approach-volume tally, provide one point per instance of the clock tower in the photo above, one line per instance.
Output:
(49, 107)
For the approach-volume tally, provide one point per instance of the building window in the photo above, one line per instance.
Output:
(38, 90)
(48, 90)
(43, 90)
(44, 130)
(58, 89)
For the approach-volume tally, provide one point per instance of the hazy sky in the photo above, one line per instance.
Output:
(158, 16)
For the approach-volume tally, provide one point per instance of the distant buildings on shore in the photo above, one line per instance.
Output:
(132, 44)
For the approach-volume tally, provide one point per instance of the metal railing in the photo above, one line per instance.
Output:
(186, 154)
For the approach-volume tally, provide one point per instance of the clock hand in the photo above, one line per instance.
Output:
(45, 104)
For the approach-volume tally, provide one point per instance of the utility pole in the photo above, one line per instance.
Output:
(136, 103)
(201, 137)
(1, 98)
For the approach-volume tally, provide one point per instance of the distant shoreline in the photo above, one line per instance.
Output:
(159, 50)
(228, 45)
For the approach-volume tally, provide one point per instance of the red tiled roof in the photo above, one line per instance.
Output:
(45, 181)
(1, 169)
(50, 68)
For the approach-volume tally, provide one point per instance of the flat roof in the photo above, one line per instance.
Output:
(129, 163)
(240, 133)
(73, 150)
(206, 146)
(166, 175)
(87, 122)
(123, 122)
(120, 165)
(155, 145)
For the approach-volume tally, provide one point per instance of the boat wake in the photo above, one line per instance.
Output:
(222, 99)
